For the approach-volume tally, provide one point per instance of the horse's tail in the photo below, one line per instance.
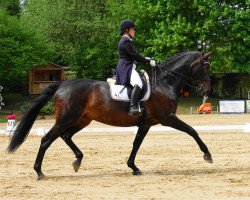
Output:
(23, 128)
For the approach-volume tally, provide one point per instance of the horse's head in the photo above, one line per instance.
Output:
(199, 71)
(186, 67)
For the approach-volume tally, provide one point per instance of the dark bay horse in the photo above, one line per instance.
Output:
(79, 101)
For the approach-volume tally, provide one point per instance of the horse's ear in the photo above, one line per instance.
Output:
(207, 54)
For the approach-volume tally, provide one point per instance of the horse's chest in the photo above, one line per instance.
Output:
(163, 106)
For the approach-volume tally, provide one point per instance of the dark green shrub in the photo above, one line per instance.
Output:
(48, 109)
(23, 108)
(3, 119)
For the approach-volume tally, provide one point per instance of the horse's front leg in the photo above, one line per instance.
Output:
(141, 133)
(174, 122)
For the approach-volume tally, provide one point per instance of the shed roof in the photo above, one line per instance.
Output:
(48, 65)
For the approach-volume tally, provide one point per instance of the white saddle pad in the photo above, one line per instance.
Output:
(119, 93)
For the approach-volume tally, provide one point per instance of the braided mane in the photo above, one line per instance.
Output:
(172, 60)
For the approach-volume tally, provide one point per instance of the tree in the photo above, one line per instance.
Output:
(173, 26)
(11, 6)
(77, 31)
(228, 26)
(84, 33)
(20, 49)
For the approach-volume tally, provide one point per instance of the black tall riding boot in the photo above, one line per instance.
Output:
(133, 109)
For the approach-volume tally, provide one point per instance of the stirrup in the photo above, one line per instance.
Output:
(135, 110)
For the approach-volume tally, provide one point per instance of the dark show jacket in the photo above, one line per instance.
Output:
(127, 57)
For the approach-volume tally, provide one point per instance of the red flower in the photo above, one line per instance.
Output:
(12, 116)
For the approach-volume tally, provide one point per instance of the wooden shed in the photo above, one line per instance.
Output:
(41, 76)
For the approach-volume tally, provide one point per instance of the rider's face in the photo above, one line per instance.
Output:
(132, 32)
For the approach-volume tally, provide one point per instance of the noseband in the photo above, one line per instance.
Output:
(195, 84)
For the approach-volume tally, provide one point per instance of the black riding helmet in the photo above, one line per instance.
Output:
(126, 24)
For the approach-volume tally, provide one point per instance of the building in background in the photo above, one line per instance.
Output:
(41, 76)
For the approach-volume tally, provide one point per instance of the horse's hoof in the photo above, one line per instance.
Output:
(208, 158)
(137, 172)
(40, 176)
(76, 166)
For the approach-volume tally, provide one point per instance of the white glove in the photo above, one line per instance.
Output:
(147, 58)
(152, 63)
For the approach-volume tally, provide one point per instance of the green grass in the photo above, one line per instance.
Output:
(185, 103)
(2, 118)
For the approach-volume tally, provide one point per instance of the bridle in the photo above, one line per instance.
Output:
(195, 84)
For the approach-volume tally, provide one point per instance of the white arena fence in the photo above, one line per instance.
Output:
(218, 128)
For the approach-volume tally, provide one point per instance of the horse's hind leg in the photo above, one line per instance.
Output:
(174, 122)
(67, 137)
(46, 141)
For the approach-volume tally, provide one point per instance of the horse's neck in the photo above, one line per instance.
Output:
(170, 87)
(173, 78)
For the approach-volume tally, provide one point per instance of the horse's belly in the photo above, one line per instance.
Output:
(114, 118)
(117, 121)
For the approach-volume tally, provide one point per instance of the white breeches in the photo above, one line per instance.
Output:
(135, 78)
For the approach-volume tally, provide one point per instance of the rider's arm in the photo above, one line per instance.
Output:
(131, 51)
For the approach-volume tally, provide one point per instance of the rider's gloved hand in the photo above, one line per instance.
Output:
(152, 63)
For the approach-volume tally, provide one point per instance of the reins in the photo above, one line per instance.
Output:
(195, 85)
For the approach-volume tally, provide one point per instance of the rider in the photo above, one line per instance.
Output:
(128, 57)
